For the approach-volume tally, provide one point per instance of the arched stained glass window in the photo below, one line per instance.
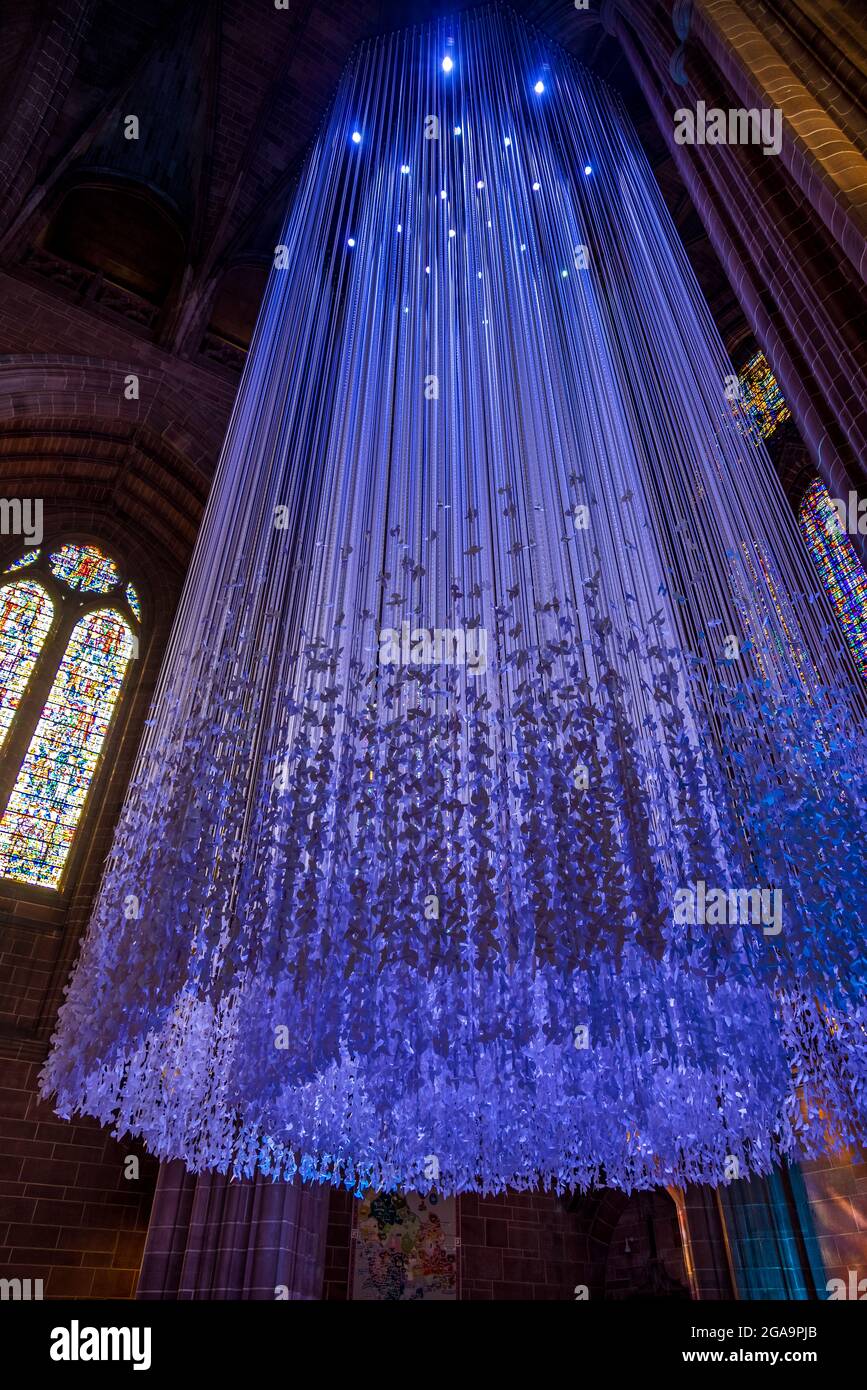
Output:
(68, 631)
(842, 572)
(39, 823)
(26, 612)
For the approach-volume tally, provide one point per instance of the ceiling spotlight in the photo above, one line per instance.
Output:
(508, 139)
(427, 270)
(452, 233)
(356, 137)
(458, 130)
(539, 88)
(404, 168)
(351, 241)
(536, 187)
(565, 274)
(588, 168)
(480, 184)
(447, 64)
(442, 193)
(399, 227)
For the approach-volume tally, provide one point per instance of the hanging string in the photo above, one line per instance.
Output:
(500, 657)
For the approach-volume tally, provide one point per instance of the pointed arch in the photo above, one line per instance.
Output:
(26, 614)
(39, 824)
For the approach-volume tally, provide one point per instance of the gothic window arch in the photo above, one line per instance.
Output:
(69, 628)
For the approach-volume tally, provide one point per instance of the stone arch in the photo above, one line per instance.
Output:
(120, 230)
(133, 475)
(645, 1256)
(603, 1217)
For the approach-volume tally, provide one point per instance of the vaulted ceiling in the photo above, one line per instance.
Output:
(234, 93)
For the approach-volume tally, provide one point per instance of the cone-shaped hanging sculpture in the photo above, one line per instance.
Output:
(501, 813)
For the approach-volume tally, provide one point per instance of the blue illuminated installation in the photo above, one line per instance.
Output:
(500, 817)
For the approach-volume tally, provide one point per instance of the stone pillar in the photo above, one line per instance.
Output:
(705, 1241)
(752, 1239)
(211, 1237)
(789, 230)
(774, 1251)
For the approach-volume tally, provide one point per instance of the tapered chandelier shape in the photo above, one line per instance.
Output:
(500, 817)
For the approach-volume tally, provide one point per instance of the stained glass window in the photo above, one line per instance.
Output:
(86, 568)
(25, 618)
(842, 572)
(759, 407)
(39, 823)
(84, 651)
(26, 559)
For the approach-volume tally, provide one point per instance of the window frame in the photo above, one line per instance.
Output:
(70, 605)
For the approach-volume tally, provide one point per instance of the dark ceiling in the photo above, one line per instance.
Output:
(249, 86)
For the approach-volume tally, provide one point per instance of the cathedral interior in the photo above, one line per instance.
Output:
(148, 157)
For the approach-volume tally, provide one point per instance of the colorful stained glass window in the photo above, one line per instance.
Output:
(759, 407)
(84, 567)
(26, 559)
(25, 617)
(39, 823)
(132, 600)
(842, 572)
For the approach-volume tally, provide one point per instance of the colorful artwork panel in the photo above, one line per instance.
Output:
(405, 1248)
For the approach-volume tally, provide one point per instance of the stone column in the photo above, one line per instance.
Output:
(211, 1237)
(789, 230)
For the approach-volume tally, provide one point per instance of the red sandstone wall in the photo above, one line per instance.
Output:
(837, 1191)
(68, 1215)
(520, 1246)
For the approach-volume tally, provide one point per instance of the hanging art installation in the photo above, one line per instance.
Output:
(500, 815)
